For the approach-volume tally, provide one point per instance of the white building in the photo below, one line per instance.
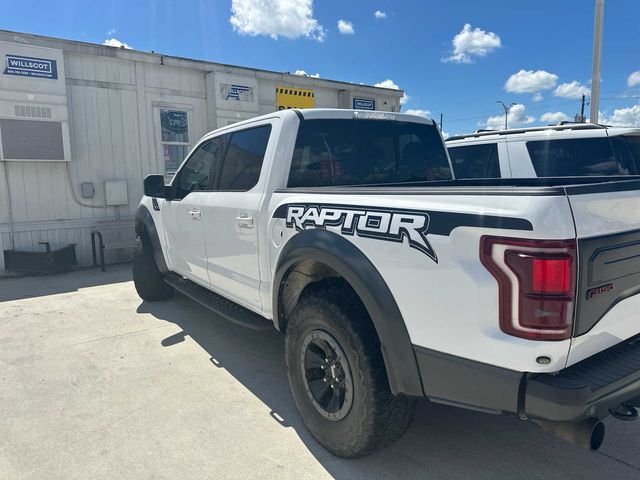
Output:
(82, 124)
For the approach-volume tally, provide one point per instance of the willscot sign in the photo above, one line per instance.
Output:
(30, 67)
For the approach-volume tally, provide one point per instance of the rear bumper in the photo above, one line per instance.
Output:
(587, 389)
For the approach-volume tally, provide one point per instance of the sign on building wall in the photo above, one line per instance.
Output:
(239, 93)
(364, 104)
(30, 67)
(291, 97)
(174, 124)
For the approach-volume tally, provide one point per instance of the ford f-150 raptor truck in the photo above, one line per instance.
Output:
(391, 280)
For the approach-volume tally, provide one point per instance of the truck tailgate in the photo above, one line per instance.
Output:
(607, 220)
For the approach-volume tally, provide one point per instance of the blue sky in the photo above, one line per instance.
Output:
(534, 53)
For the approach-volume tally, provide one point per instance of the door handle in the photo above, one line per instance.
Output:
(195, 214)
(245, 220)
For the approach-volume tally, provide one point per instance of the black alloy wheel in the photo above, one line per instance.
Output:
(327, 375)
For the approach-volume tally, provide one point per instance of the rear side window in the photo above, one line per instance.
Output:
(243, 159)
(633, 142)
(577, 157)
(362, 152)
(475, 161)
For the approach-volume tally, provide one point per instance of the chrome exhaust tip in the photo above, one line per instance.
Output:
(588, 434)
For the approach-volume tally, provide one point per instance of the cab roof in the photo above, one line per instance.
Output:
(562, 127)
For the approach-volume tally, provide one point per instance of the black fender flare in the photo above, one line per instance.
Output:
(352, 264)
(144, 224)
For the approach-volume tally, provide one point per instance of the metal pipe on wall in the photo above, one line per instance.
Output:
(8, 190)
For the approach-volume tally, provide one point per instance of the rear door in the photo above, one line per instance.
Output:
(230, 216)
(607, 219)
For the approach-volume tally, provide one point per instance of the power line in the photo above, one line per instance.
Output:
(536, 108)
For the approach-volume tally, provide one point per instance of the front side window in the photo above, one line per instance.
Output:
(362, 152)
(577, 157)
(174, 131)
(198, 171)
(475, 161)
(243, 160)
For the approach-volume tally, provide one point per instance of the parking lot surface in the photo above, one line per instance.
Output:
(96, 383)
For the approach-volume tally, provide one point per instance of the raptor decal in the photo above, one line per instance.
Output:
(366, 222)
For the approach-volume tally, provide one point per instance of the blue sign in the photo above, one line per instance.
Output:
(238, 92)
(364, 104)
(30, 67)
(174, 126)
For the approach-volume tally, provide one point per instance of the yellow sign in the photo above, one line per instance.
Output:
(291, 97)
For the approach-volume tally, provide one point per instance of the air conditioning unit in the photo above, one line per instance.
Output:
(34, 118)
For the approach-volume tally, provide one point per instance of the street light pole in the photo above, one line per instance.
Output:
(506, 111)
(597, 57)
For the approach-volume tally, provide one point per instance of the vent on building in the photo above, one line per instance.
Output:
(33, 111)
(31, 139)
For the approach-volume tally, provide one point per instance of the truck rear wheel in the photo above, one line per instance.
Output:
(337, 377)
(148, 280)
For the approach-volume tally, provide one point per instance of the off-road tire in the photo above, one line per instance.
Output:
(376, 417)
(147, 279)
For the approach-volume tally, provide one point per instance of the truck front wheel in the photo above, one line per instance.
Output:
(338, 379)
(147, 279)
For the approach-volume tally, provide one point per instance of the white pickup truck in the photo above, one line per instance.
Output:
(391, 280)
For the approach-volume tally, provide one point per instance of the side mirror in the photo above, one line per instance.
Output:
(154, 186)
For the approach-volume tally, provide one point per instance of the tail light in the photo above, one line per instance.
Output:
(537, 283)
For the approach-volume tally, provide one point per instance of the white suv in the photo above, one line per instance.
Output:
(564, 150)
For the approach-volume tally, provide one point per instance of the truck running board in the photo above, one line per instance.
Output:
(225, 308)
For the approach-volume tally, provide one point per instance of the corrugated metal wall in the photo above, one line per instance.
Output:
(113, 99)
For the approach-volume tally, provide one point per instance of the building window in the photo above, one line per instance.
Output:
(174, 127)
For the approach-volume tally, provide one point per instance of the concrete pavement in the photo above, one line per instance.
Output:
(97, 384)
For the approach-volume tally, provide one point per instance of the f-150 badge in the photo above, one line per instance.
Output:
(365, 222)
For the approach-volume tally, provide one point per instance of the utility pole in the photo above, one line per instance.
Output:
(582, 110)
(597, 57)
(440, 122)
(506, 111)
(579, 118)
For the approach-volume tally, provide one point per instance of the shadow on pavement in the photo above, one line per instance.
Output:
(37, 286)
(443, 442)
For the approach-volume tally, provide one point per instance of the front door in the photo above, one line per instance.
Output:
(183, 219)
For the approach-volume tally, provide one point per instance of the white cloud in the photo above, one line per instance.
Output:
(629, 117)
(275, 18)
(634, 79)
(111, 32)
(572, 89)
(528, 81)
(114, 42)
(472, 43)
(517, 118)
(380, 14)
(302, 73)
(537, 97)
(419, 112)
(551, 118)
(345, 27)
(388, 83)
